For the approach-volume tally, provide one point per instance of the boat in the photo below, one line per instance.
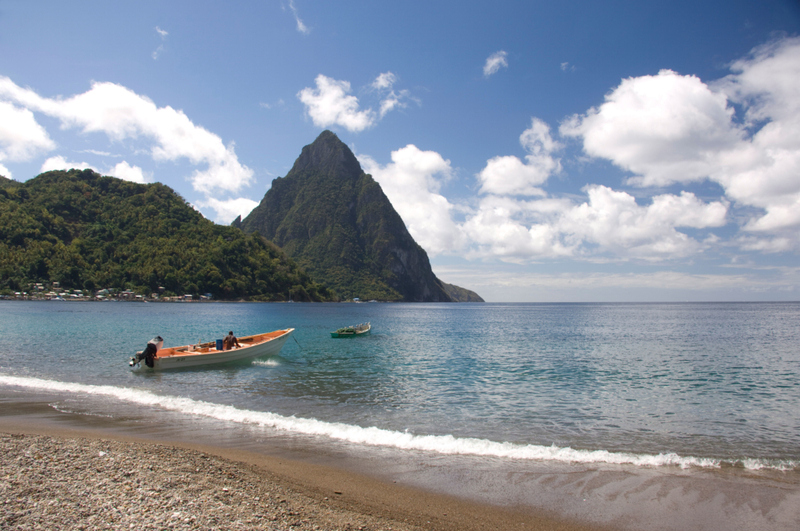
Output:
(257, 346)
(352, 331)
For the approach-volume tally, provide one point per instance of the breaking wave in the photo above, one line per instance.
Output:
(373, 436)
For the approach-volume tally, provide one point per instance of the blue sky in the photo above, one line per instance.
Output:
(538, 151)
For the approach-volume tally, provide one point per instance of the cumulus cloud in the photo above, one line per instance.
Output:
(412, 182)
(125, 171)
(228, 210)
(21, 137)
(60, 163)
(764, 171)
(330, 104)
(665, 128)
(384, 81)
(494, 63)
(506, 175)
(122, 170)
(391, 99)
(672, 128)
(121, 114)
(608, 223)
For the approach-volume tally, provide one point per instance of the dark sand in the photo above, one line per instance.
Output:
(326, 492)
(322, 497)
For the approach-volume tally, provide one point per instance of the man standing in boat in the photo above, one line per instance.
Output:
(229, 341)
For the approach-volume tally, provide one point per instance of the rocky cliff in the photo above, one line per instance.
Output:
(336, 222)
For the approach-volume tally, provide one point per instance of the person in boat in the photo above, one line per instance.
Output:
(229, 341)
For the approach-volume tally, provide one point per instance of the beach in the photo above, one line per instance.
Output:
(62, 478)
(654, 417)
(68, 471)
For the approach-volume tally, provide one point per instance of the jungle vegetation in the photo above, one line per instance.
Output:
(87, 231)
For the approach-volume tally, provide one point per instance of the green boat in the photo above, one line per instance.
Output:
(352, 331)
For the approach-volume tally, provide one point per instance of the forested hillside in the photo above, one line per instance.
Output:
(335, 220)
(89, 232)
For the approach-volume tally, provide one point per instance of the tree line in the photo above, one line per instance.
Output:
(87, 231)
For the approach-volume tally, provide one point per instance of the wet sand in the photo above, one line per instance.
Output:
(79, 478)
(332, 491)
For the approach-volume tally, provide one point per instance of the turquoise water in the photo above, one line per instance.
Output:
(649, 384)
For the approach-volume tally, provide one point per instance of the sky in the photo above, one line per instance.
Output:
(575, 151)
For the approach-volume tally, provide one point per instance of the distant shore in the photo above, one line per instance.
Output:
(77, 479)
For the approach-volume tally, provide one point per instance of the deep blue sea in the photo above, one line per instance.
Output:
(657, 385)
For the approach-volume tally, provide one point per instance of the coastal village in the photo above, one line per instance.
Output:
(54, 292)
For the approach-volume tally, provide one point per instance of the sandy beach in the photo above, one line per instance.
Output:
(76, 479)
(68, 471)
(76, 471)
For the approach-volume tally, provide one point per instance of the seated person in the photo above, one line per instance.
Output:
(229, 341)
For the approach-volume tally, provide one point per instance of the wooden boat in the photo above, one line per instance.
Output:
(352, 331)
(252, 347)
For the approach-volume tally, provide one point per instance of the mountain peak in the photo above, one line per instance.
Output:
(329, 155)
(335, 222)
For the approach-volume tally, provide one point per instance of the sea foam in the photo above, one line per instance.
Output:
(373, 436)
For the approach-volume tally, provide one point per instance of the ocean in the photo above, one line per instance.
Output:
(666, 387)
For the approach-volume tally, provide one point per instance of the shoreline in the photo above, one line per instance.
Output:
(293, 493)
(334, 490)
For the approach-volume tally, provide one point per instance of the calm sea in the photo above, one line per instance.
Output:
(656, 385)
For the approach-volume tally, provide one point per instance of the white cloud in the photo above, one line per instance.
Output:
(508, 175)
(229, 209)
(125, 171)
(160, 49)
(392, 100)
(389, 103)
(122, 170)
(302, 28)
(614, 221)
(670, 129)
(412, 182)
(505, 228)
(100, 153)
(5, 172)
(764, 171)
(495, 62)
(384, 81)
(60, 163)
(330, 104)
(122, 114)
(21, 137)
(608, 223)
(665, 128)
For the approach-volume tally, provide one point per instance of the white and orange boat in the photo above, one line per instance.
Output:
(211, 353)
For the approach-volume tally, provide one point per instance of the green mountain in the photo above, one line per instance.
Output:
(336, 222)
(90, 232)
(458, 294)
(5, 182)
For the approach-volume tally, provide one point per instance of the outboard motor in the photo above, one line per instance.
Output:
(149, 353)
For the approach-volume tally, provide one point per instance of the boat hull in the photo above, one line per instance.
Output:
(253, 347)
(352, 332)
